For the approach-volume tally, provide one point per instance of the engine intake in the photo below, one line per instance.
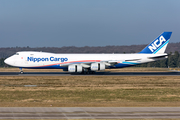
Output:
(97, 66)
(75, 68)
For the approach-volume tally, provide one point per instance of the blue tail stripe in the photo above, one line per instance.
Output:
(161, 47)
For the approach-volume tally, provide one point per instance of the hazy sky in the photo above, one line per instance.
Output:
(57, 23)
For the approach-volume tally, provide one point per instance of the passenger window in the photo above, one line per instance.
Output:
(17, 53)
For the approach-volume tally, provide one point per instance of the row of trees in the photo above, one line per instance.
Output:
(172, 61)
(2, 64)
(8, 51)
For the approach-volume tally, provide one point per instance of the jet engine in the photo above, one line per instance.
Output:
(97, 66)
(75, 68)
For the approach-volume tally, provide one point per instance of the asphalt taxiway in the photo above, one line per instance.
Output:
(171, 73)
(88, 112)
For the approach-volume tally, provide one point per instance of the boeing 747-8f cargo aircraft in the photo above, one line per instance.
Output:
(88, 63)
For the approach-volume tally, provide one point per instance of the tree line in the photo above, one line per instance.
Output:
(172, 61)
(8, 51)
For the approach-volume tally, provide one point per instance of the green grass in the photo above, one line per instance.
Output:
(93, 95)
(90, 91)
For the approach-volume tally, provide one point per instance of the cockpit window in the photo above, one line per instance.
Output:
(17, 53)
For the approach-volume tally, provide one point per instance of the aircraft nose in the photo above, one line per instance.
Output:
(8, 61)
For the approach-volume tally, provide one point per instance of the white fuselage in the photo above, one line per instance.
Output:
(61, 61)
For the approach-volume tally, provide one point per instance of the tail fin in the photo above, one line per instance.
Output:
(158, 46)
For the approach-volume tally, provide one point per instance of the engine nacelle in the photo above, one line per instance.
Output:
(75, 68)
(97, 66)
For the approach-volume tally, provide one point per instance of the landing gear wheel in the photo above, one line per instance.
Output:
(90, 72)
(21, 71)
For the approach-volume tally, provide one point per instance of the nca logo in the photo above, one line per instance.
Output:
(157, 43)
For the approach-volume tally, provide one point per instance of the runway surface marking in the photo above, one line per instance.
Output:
(88, 112)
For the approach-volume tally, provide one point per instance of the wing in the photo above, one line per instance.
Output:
(107, 63)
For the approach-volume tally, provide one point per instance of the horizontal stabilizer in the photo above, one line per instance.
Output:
(157, 57)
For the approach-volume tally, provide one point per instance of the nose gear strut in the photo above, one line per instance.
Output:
(21, 71)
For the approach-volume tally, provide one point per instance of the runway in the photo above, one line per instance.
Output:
(88, 112)
(172, 73)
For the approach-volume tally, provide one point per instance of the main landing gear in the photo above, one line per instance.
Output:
(21, 71)
(87, 71)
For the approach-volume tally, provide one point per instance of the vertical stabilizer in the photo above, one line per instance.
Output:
(158, 46)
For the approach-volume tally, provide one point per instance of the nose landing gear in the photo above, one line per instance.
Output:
(21, 71)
